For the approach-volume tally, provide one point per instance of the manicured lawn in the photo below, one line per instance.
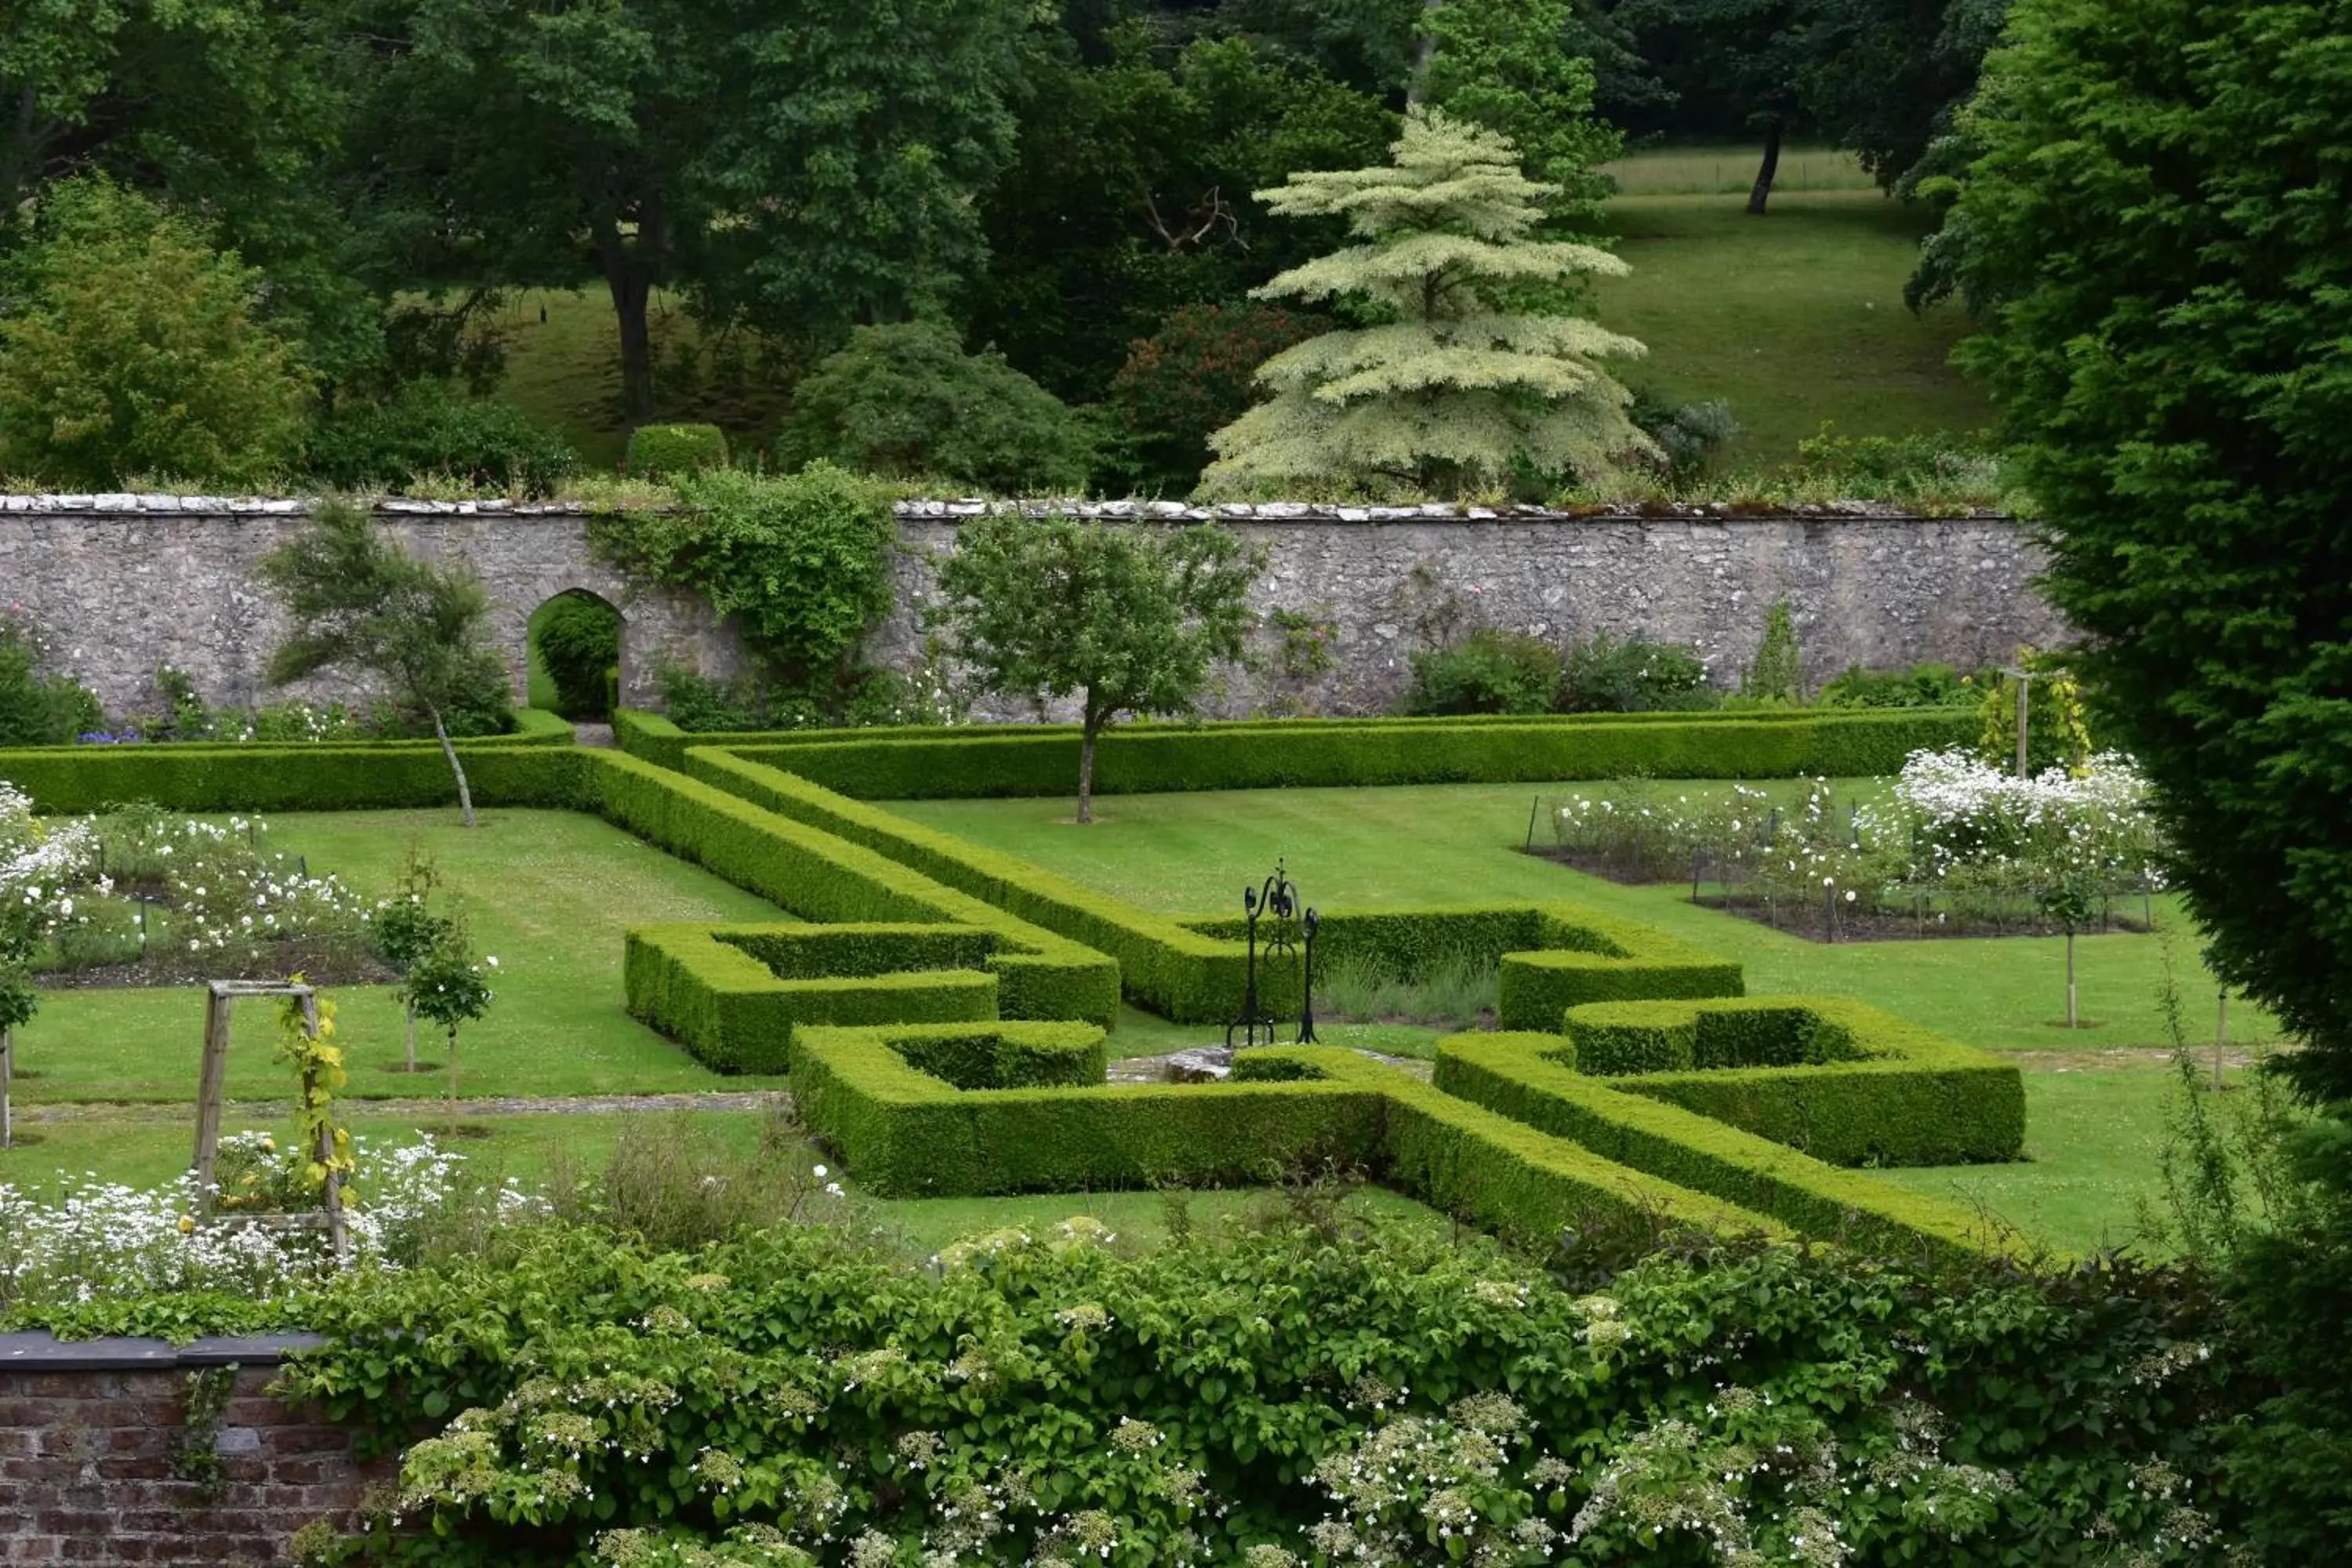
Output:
(550, 893)
(1459, 843)
(1793, 318)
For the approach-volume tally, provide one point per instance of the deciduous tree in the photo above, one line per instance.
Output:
(1127, 620)
(134, 350)
(786, 164)
(360, 602)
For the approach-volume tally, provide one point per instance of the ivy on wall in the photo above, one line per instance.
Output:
(800, 561)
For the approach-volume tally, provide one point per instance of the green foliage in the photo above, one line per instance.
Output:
(1828, 1075)
(801, 562)
(1691, 436)
(789, 170)
(426, 432)
(358, 601)
(1194, 375)
(1459, 389)
(1126, 620)
(1921, 686)
(907, 401)
(1486, 672)
(2057, 726)
(1193, 972)
(1007, 761)
(133, 349)
(1777, 674)
(1898, 468)
(39, 708)
(802, 1376)
(1503, 64)
(579, 640)
(670, 451)
(1130, 193)
(1607, 674)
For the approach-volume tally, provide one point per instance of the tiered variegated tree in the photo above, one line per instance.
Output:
(1467, 381)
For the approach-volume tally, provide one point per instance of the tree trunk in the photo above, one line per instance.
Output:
(453, 1080)
(1761, 192)
(2073, 1018)
(411, 1010)
(1417, 86)
(7, 1066)
(464, 791)
(631, 295)
(1086, 770)
(2220, 1042)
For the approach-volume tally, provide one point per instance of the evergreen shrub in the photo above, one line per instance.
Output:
(672, 451)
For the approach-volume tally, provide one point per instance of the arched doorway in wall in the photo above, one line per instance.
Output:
(575, 655)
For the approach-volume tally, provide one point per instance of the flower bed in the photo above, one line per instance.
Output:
(1957, 849)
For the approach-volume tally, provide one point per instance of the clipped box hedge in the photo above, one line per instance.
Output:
(995, 762)
(1527, 1078)
(713, 990)
(1193, 972)
(819, 876)
(934, 1112)
(1832, 1077)
(205, 775)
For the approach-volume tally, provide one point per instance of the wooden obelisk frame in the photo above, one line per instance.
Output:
(224, 997)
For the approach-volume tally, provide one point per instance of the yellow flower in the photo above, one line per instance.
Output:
(188, 1225)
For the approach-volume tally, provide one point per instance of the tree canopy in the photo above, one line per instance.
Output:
(1459, 386)
(1126, 620)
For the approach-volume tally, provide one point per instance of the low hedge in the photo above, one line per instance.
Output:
(985, 763)
(360, 775)
(1193, 972)
(710, 989)
(919, 1111)
(1524, 1077)
(819, 876)
(904, 1133)
(1834, 1077)
(997, 761)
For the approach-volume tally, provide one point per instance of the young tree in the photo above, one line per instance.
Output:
(793, 165)
(450, 987)
(360, 602)
(1778, 671)
(1128, 620)
(1457, 389)
(407, 930)
(132, 349)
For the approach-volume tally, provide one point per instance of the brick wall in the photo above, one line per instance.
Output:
(88, 1438)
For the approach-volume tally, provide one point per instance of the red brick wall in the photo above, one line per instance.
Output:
(86, 1472)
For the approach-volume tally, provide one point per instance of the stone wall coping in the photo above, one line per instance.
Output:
(41, 1352)
(1106, 510)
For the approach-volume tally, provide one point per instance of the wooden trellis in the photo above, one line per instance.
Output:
(224, 997)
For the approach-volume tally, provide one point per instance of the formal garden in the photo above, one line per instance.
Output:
(1299, 782)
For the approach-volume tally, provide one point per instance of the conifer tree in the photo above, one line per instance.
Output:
(1461, 384)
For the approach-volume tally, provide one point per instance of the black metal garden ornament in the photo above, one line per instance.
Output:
(1275, 902)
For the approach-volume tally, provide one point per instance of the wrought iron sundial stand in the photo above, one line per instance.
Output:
(1276, 899)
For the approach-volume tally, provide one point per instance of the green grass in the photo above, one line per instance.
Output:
(549, 893)
(565, 373)
(1795, 318)
(1728, 169)
(1443, 844)
(2092, 1140)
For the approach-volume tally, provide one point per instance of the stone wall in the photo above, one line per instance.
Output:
(126, 583)
(1865, 588)
(93, 1438)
